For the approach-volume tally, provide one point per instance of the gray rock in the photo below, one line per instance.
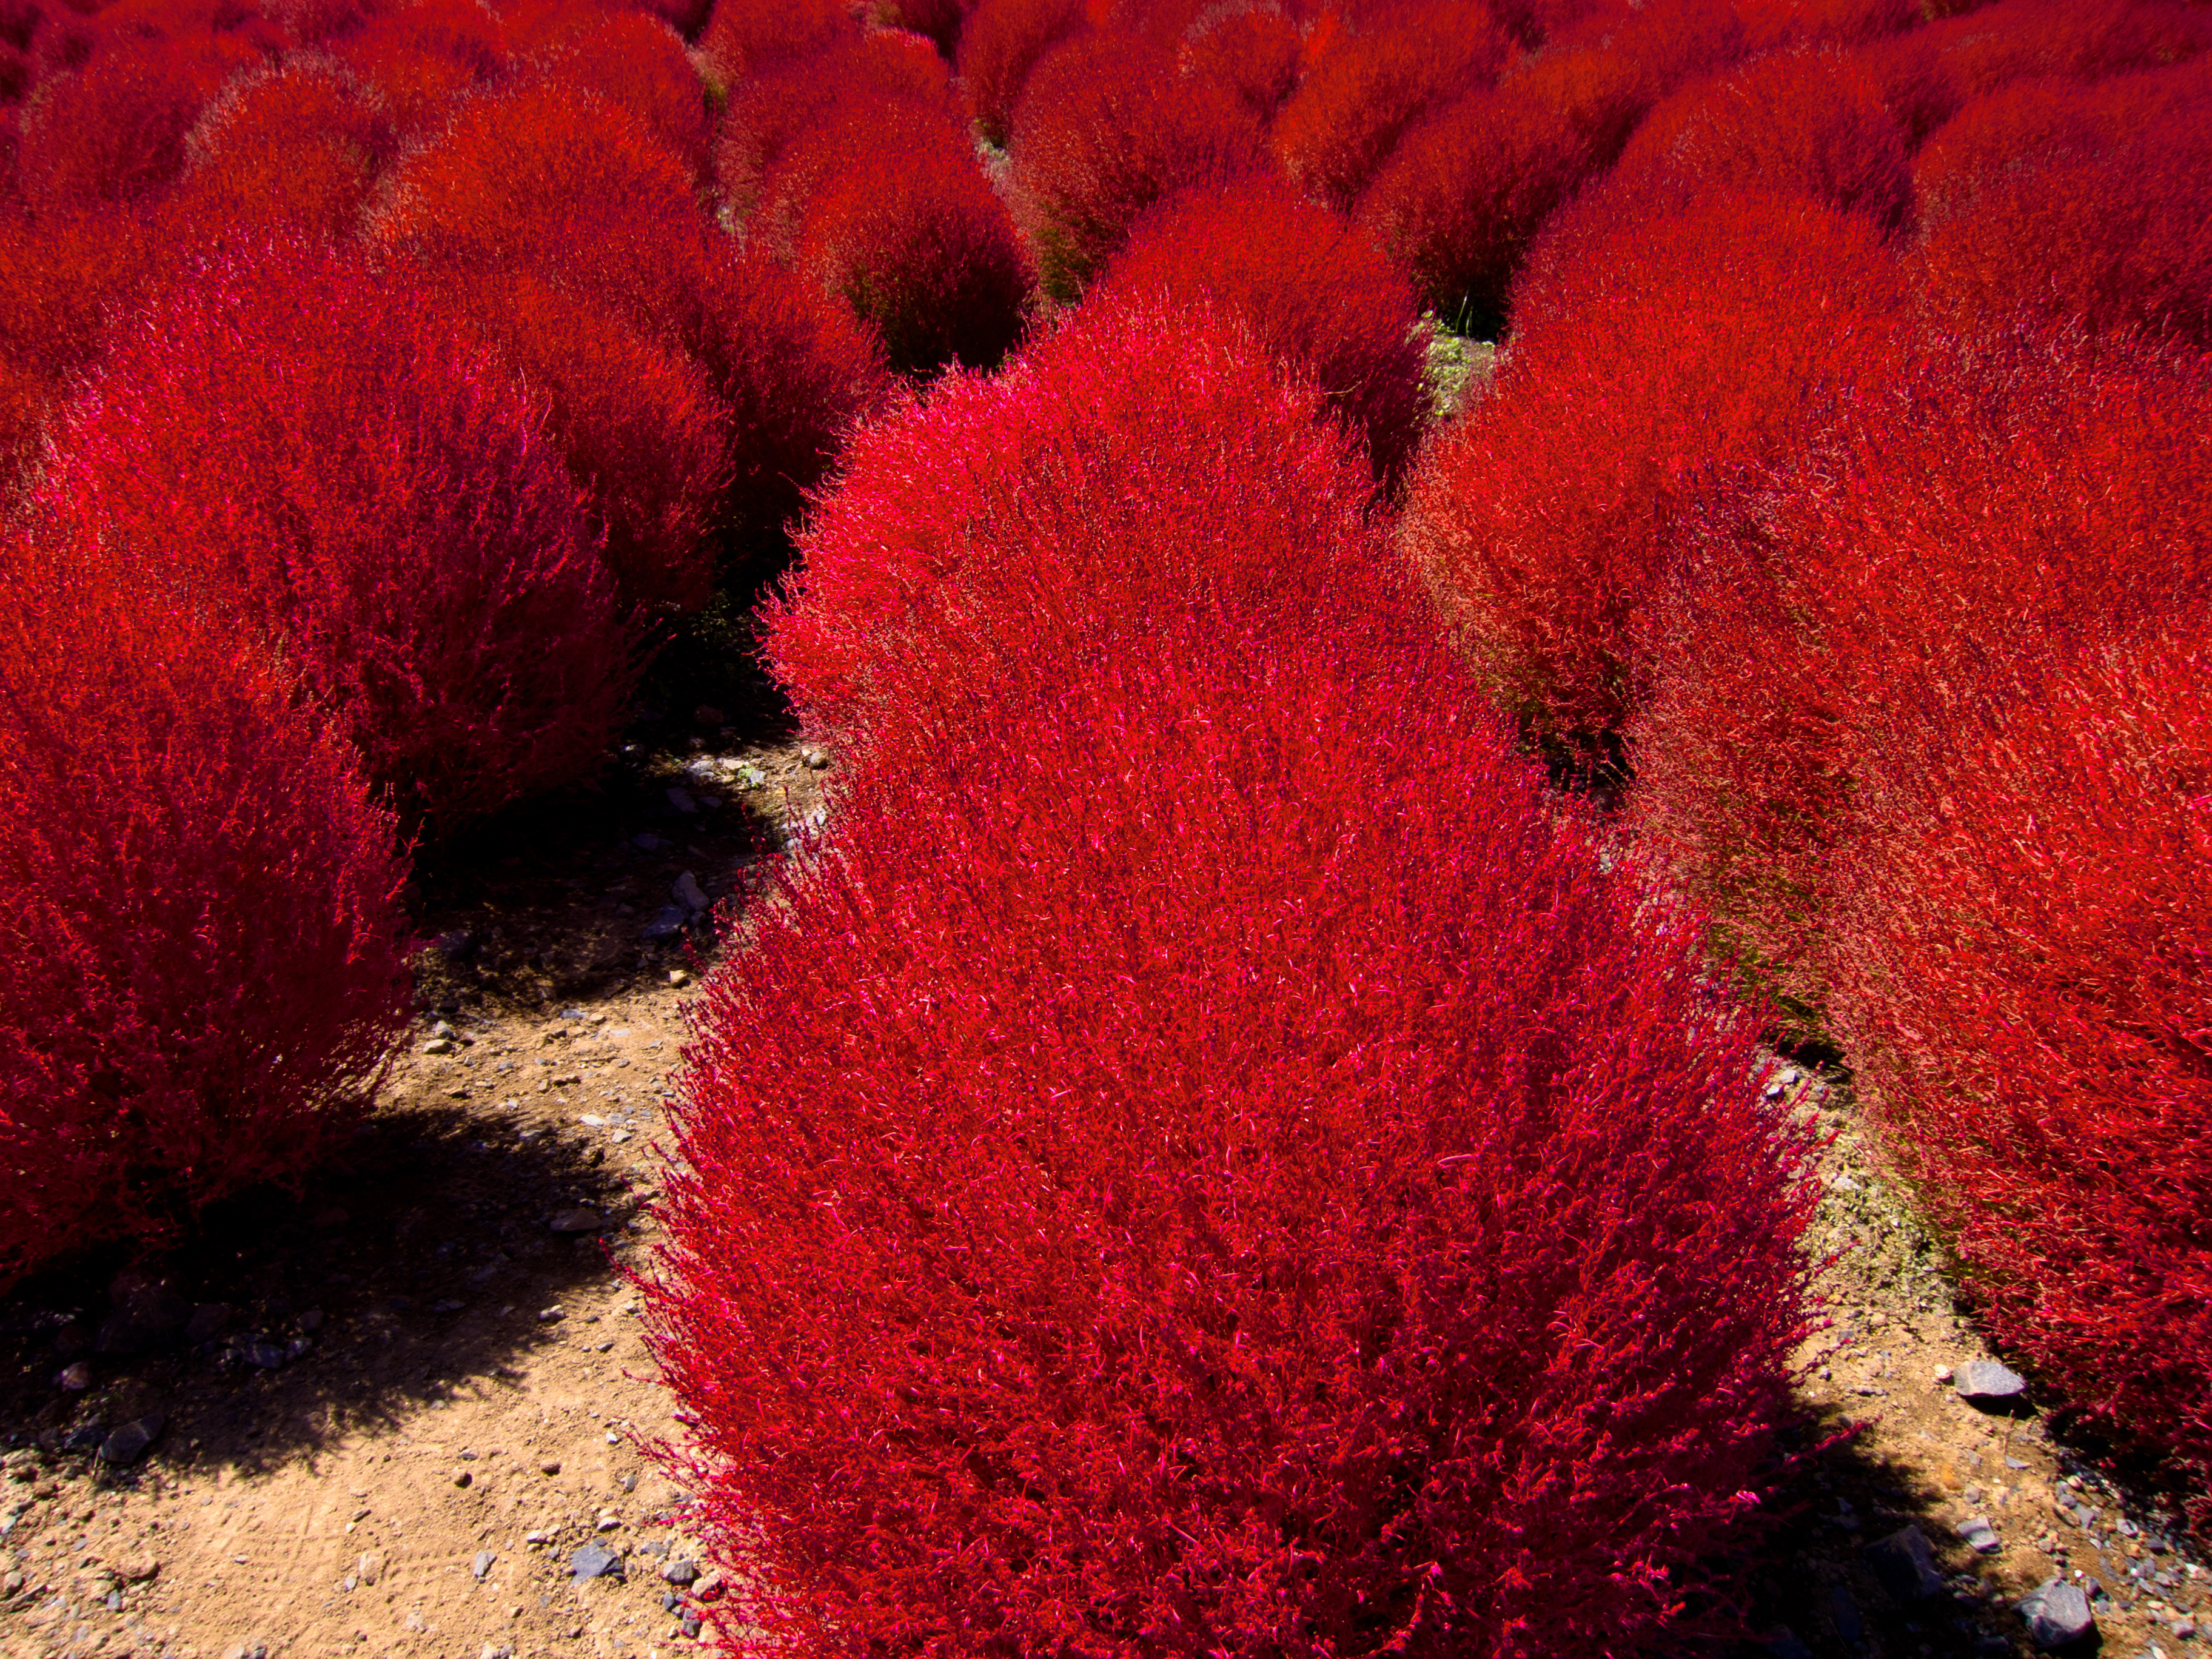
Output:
(1979, 1534)
(592, 1561)
(681, 1573)
(439, 1046)
(1904, 1563)
(209, 1321)
(369, 1568)
(481, 1565)
(2056, 1614)
(85, 1438)
(688, 893)
(1986, 1379)
(264, 1356)
(668, 924)
(148, 1313)
(128, 1443)
(690, 1627)
(310, 1321)
(1784, 1645)
(579, 1220)
(650, 843)
(670, 1601)
(682, 801)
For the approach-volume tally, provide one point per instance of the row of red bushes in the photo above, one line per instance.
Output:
(385, 367)
(1864, 538)
(1200, 1160)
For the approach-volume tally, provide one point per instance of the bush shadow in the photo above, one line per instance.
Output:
(413, 1266)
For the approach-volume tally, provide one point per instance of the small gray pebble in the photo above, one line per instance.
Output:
(680, 1573)
(2056, 1614)
(481, 1565)
(593, 1562)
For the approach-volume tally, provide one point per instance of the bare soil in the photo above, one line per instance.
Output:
(462, 1400)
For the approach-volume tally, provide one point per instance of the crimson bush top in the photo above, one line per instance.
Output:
(1107, 128)
(1283, 1200)
(1307, 284)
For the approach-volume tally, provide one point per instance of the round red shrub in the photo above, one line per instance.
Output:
(635, 61)
(200, 965)
(893, 216)
(1313, 290)
(2023, 40)
(2020, 945)
(2103, 223)
(1362, 89)
(638, 425)
(20, 20)
(743, 38)
(1998, 490)
(307, 143)
(793, 371)
(1379, 1243)
(1458, 205)
(115, 130)
(999, 48)
(1662, 44)
(1254, 47)
(1664, 365)
(1810, 120)
(551, 179)
(1106, 128)
(369, 491)
(773, 111)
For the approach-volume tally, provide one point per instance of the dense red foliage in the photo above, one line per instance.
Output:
(892, 213)
(1770, 24)
(633, 60)
(1459, 203)
(638, 423)
(115, 131)
(1314, 291)
(773, 110)
(1807, 120)
(1363, 88)
(307, 143)
(1663, 368)
(1996, 499)
(1256, 50)
(793, 371)
(744, 37)
(1106, 128)
(549, 178)
(1000, 45)
(364, 486)
(2020, 945)
(2089, 206)
(199, 966)
(1284, 1201)
(938, 21)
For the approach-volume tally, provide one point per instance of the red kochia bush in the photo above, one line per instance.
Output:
(1256, 50)
(306, 143)
(896, 218)
(1000, 45)
(773, 110)
(1285, 1202)
(1770, 24)
(637, 423)
(1107, 128)
(635, 60)
(1660, 367)
(373, 495)
(744, 37)
(1806, 120)
(1362, 89)
(1314, 291)
(199, 967)
(2106, 221)
(1459, 203)
(2022, 951)
(1999, 496)
(115, 131)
